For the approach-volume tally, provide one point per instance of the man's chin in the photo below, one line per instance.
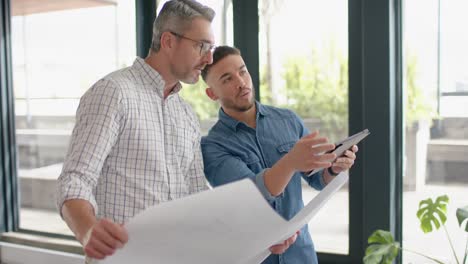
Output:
(191, 79)
(245, 108)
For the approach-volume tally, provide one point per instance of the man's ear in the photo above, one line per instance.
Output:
(167, 40)
(211, 94)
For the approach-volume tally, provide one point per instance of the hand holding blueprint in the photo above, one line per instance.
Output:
(229, 224)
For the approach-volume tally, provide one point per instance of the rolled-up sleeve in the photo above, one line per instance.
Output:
(260, 182)
(95, 133)
(315, 180)
(222, 167)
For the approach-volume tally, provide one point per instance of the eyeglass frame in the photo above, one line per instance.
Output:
(203, 44)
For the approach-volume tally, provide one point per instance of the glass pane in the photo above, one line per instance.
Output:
(436, 125)
(194, 94)
(59, 51)
(304, 67)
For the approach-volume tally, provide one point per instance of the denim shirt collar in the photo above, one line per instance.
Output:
(233, 123)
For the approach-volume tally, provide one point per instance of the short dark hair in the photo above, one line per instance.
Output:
(218, 54)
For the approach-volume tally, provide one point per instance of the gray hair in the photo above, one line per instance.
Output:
(177, 16)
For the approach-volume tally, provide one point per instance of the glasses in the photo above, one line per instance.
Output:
(205, 47)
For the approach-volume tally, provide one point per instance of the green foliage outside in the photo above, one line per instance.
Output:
(265, 94)
(432, 215)
(316, 87)
(417, 104)
(204, 107)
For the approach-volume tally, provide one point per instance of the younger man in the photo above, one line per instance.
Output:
(267, 144)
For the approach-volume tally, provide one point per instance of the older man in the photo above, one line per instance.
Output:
(136, 143)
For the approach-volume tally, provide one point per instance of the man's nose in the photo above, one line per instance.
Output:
(208, 58)
(240, 81)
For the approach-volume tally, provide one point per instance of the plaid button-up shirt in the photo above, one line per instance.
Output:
(130, 147)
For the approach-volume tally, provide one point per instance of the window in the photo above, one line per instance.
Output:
(436, 161)
(304, 67)
(59, 50)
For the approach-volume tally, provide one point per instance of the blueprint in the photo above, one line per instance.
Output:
(232, 223)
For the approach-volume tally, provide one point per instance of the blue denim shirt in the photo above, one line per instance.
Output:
(233, 151)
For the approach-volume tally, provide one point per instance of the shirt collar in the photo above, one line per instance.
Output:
(152, 77)
(233, 123)
(261, 109)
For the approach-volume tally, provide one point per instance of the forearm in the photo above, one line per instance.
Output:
(79, 216)
(327, 177)
(278, 176)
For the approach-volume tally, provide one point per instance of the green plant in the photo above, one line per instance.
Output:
(316, 86)
(384, 249)
(417, 103)
(194, 94)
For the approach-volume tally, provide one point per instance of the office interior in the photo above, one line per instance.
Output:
(366, 61)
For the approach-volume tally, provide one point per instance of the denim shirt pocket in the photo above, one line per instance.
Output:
(285, 147)
(252, 161)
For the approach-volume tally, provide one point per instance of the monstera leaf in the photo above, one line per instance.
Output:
(462, 215)
(433, 213)
(382, 248)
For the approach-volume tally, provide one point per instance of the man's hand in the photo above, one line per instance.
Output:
(104, 238)
(309, 153)
(281, 248)
(100, 238)
(346, 161)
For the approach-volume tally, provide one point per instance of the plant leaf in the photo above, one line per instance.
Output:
(381, 237)
(462, 215)
(432, 214)
(382, 248)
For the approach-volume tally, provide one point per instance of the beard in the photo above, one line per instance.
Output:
(238, 106)
(187, 75)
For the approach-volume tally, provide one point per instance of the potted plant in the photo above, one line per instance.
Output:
(432, 215)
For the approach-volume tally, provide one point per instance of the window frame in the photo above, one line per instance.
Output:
(9, 206)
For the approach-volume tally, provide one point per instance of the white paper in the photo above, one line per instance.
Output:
(229, 224)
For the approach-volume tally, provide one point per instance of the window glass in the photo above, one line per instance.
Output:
(304, 67)
(436, 122)
(59, 49)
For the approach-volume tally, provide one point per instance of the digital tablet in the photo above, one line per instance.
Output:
(342, 146)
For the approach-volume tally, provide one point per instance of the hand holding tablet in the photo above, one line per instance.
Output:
(342, 146)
